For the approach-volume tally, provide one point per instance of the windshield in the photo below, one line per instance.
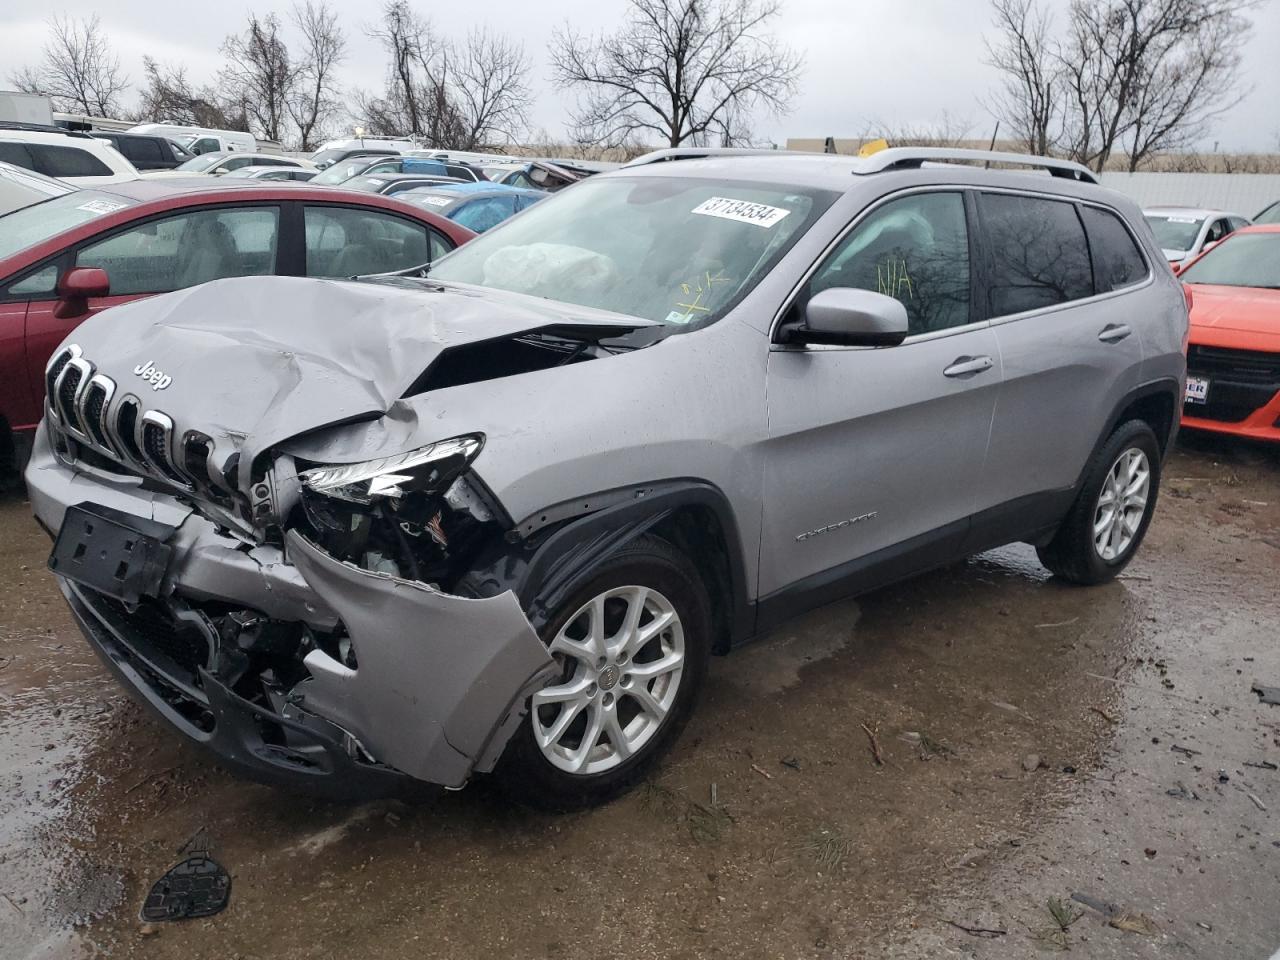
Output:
(341, 171)
(1242, 260)
(679, 251)
(1269, 215)
(201, 163)
(1174, 232)
(31, 225)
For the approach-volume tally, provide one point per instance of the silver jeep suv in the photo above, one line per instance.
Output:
(496, 516)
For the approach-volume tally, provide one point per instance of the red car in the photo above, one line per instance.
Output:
(68, 257)
(1233, 354)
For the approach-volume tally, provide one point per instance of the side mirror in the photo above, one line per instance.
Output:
(76, 287)
(1209, 246)
(847, 316)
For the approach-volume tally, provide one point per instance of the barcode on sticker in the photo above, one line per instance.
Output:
(744, 211)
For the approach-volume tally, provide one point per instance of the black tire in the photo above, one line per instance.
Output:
(525, 773)
(1071, 554)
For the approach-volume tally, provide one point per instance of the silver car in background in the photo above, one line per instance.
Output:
(497, 516)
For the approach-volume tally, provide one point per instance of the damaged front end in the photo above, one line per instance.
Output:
(330, 650)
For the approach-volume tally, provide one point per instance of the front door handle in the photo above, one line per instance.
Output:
(968, 366)
(1114, 332)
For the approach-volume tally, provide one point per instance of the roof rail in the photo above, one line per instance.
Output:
(39, 128)
(696, 153)
(898, 158)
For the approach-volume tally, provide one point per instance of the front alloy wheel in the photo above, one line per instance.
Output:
(631, 638)
(623, 658)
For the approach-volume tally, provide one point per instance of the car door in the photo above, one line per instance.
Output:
(1069, 342)
(345, 241)
(153, 256)
(874, 454)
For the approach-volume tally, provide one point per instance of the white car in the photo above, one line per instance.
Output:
(219, 163)
(76, 158)
(200, 140)
(1184, 233)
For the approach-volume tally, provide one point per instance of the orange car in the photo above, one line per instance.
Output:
(1233, 354)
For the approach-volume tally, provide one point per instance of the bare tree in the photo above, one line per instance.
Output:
(79, 70)
(490, 88)
(313, 102)
(1025, 57)
(168, 95)
(261, 74)
(683, 70)
(409, 46)
(1149, 75)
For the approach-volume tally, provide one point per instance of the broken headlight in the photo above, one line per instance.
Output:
(427, 469)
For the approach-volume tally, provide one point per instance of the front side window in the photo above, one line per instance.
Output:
(1039, 255)
(347, 242)
(142, 150)
(680, 251)
(205, 145)
(1217, 231)
(56, 161)
(1117, 262)
(916, 250)
(181, 251)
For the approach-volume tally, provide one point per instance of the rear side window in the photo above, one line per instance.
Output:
(347, 242)
(17, 154)
(1038, 253)
(916, 250)
(141, 149)
(1117, 262)
(57, 161)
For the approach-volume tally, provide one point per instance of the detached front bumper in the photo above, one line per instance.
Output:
(439, 683)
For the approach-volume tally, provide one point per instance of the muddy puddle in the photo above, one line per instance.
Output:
(1024, 727)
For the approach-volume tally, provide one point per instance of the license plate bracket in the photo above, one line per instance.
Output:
(1197, 390)
(112, 552)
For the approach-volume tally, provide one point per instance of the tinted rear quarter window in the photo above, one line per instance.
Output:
(17, 154)
(1117, 261)
(1038, 253)
(55, 161)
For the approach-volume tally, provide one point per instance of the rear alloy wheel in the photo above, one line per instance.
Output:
(631, 642)
(1105, 526)
(1122, 503)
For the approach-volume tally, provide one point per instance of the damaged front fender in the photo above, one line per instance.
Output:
(440, 680)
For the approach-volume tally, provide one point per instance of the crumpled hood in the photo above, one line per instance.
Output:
(253, 361)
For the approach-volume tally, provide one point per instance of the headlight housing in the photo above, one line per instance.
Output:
(426, 469)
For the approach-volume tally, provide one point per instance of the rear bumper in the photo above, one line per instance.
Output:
(440, 684)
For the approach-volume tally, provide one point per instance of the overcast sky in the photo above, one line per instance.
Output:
(900, 62)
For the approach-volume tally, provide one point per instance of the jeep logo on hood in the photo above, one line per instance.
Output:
(148, 372)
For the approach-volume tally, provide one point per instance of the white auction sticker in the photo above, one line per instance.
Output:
(744, 211)
(101, 206)
(435, 201)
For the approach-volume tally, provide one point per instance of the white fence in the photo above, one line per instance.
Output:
(1243, 193)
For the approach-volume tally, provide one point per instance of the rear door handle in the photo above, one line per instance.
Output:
(1114, 332)
(968, 366)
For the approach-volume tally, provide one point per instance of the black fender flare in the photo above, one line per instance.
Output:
(549, 549)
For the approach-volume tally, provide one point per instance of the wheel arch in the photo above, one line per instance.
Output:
(1155, 403)
(550, 548)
